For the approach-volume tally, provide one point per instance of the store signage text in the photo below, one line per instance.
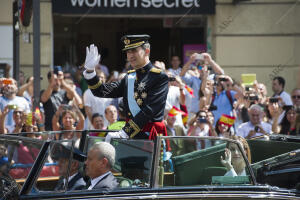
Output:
(134, 7)
(137, 3)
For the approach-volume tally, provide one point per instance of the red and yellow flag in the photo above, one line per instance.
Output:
(190, 90)
(227, 120)
(175, 111)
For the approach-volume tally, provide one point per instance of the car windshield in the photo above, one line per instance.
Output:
(133, 162)
(18, 155)
(192, 161)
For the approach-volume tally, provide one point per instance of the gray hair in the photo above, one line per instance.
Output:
(255, 107)
(106, 150)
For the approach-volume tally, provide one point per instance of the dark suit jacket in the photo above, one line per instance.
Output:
(76, 183)
(107, 183)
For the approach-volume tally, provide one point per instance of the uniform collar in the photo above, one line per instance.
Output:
(144, 69)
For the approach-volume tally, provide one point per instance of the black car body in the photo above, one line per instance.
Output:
(168, 168)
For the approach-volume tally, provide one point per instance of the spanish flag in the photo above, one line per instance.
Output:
(190, 90)
(175, 111)
(227, 120)
(185, 116)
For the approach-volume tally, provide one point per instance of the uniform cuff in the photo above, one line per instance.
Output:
(89, 75)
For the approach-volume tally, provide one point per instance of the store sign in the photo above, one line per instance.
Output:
(134, 7)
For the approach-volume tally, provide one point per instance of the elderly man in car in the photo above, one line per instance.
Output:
(100, 160)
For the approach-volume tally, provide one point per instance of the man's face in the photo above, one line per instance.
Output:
(111, 114)
(137, 57)
(94, 165)
(175, 62)
(9, 90)
(98, 123)
(18, 115)
(296, 97)
(255, 116)
(276, 87)
(171, 120)
(57, 82)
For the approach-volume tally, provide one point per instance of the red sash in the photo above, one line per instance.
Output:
(155, 128)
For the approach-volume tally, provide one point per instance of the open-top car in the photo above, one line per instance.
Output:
(167, 168)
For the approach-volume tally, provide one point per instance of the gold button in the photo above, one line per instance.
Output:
(129, 114)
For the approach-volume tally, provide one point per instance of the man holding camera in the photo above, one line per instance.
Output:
(255, 127)
(144, 89)
(54, 95)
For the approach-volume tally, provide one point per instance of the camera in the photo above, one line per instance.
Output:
(12, 107)
(172, 79)
(253, 98)
(273, 100)
(223, 79)
(67, 107)
(212, 108)
(202, 120)
(256, 128)
(199, 57)
(247, 88)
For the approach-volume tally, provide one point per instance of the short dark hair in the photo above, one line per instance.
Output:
(96, 115)
(280, 80)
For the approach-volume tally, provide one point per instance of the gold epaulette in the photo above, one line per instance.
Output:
(155, 70)
(93, 87)
(131, 71)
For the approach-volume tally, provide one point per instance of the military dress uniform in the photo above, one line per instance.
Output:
(144, 93)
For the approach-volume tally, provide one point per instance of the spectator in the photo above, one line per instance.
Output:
(223, 126)
(178, 147)
(93, 104)
(224, 96)
(201, 126)
(296, 99)
(290, 124)
(54, 95)
(111, 114)
(26, 90)
(278, 89)
(175, 66)
(98, 124)
(176, 96)
(103, 68)
(9, 98)
(255, 127)
(100, 160)
(69, 116)
(194, 82)
(120, 123)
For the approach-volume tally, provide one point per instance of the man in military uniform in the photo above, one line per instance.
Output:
(144, 89)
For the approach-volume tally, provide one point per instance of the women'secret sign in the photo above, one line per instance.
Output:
(136, 7)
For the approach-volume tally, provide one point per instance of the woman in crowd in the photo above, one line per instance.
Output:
(290, 124)
(233, 160)
(69, 121)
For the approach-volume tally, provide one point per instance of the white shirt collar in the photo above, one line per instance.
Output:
(96, 180)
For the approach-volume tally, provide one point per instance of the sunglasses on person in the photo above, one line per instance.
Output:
(296, 96)
(18, 112)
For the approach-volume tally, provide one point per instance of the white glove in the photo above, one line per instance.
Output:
(92, 57)
(119, 134)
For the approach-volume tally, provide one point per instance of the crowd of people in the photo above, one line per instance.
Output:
(202, 101)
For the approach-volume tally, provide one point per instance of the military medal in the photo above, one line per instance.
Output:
(141, 86)
(144, 95)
